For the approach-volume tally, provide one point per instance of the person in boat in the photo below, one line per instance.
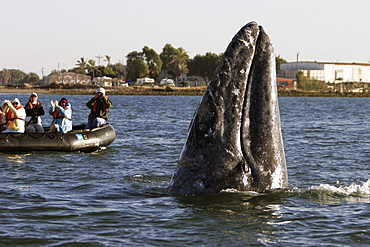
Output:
(34, 110)
(62, 116)
(99, 106)
(2, 117)
(15, 115)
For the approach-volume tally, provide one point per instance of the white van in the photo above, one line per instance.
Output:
(144, 81)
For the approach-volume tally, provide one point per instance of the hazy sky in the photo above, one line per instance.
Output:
(36, 34)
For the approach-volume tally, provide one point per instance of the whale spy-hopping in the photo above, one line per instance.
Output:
(234, 139)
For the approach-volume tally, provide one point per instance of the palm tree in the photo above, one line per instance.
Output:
(82, 64)
(92, 68)
(107, 59)
(179, 61)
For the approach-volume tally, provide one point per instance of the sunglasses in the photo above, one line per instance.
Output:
(14, 103)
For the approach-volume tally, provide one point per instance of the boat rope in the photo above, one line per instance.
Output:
(18, 136)
(21, 136)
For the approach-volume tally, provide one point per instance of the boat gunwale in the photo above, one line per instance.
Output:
(90, 147)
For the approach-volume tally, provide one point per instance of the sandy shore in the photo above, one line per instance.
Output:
(21, 90)
(140, 90)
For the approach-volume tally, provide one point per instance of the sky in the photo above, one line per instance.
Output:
(44, 35)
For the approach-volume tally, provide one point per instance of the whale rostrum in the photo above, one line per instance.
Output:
(234, 139)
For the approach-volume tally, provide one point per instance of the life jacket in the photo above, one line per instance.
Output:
(30, 104)
(10, 116)
(55, 115)
(95, 106)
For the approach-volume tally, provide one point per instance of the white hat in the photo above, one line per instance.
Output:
(34, 95)
(16, 100)
(100, 90)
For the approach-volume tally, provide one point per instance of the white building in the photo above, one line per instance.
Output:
(330, 73)
(103, 81)
(68, 78)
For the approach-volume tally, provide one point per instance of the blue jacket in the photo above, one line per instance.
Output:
(62, 117)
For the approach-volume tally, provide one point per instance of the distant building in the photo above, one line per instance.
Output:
(328, 72)
(194, 81)
(345, 76)
(103, 81)
(185, 80)
(68, 78)
(284, 83)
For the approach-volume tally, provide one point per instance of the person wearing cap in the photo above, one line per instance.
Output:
(62, 116)
(14, 116)
(34, 110)
(99, 106)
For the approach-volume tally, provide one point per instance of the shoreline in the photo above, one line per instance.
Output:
(133, 90)
(166, 91)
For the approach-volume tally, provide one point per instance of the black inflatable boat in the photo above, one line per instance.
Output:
(78, 139)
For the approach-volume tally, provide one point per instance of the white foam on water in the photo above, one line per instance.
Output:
(352, 189)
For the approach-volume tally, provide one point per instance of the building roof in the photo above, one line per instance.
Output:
(335, 63)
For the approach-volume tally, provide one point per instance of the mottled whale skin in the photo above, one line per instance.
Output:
(234, 139)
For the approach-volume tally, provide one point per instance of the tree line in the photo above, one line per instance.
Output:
(171, 62)
(16, 76)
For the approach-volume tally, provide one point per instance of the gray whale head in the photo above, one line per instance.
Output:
(234, 140)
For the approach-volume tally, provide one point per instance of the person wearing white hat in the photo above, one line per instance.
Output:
(14, 116)
(34, 110)
(99, 106)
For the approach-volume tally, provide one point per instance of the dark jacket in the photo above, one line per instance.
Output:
(99, 107)
(34, 112)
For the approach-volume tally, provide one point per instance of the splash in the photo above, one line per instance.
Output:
(353, 189)
(326, 193)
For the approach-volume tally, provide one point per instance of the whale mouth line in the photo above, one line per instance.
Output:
(248, 164)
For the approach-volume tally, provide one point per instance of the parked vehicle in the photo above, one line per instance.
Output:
(167, 82)
(144, 81)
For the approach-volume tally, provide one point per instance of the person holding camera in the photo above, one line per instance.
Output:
(14, 114)
(99, 106)
(34, 110)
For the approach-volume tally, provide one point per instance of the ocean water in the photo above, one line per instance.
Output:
(115, 197)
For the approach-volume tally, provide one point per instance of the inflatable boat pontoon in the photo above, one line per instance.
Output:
(78, 139)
